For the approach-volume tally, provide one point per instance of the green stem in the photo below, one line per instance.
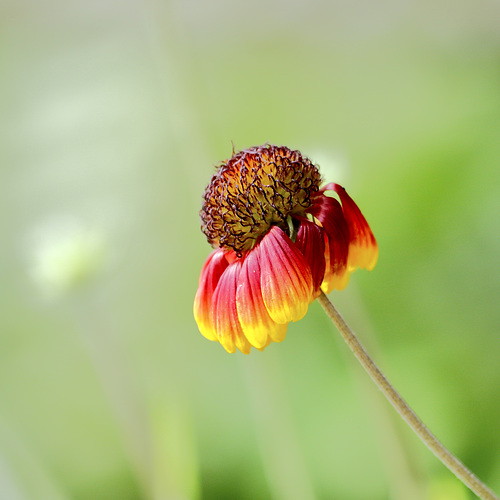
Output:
(457, 467)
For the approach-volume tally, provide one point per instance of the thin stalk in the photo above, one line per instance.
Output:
(446, 457)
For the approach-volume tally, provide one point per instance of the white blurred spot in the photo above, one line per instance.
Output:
(66, 255)
(334, 167)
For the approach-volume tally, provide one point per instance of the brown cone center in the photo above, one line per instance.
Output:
(254, 190)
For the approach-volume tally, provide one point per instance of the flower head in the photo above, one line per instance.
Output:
(279, 239)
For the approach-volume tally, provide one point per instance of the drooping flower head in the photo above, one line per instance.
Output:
(279, 239)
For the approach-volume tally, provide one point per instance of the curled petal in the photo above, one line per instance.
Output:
(329, 213)
(210, 274)
(311, 243)
(255, 321)
(224, 313)
(286, 279)
(363, 248)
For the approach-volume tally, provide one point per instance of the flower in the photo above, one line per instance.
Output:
(279, 240)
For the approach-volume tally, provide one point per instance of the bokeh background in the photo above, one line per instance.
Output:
(113, 116)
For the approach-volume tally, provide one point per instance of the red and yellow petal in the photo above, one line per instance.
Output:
(224, 315)
(310, 241)
(257, 325)
(286, 280)
(363, 248)
(333, 281)
(211, 272)
(331, 217)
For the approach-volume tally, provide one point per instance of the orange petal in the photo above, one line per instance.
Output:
(311, 243)
(224, 313)
(210, 274)
(286, 279)
(363, 248)
(255, 321)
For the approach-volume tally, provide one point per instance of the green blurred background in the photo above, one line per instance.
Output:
(113, 115)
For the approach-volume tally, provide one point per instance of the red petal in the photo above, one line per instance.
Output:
(224, 313)
(210, 274)
(311, 243)
(329, 213)
(363, 248)
(286, 280)
(254, 319)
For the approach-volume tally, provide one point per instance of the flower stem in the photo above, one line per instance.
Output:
(457, 467)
